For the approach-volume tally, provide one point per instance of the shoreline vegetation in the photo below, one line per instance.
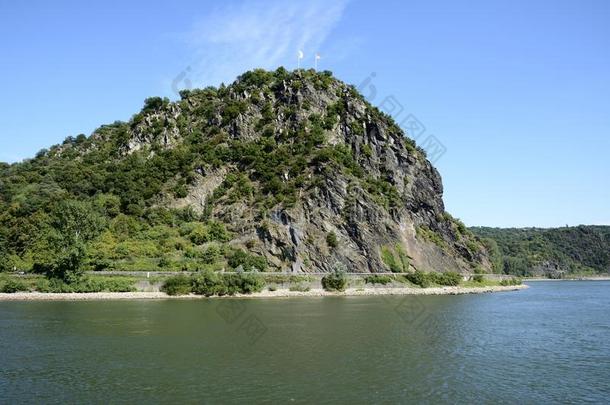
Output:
(280, 293)
(246, 284)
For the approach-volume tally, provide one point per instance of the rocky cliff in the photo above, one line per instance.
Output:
(297, 167)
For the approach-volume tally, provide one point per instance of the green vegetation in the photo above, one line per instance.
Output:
(100, 203)
(247, 261)
(551, 253)
(11, 286)
(61, 248)
(396, 259)
(299, 288)
(177, 285)
(378, 279)
(426, 280)
(511, 281)
(482, 283)
(384, 192)
(243, 283)
(331, 240)
(287, 278)
(87, 284)
(210, 283)
(426, 233)
(335, 281)
(449, 278)
(418, 278)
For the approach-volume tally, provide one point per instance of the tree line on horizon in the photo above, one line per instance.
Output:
(549, 252)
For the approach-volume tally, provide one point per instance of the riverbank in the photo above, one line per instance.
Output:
(280, 293)
(584, 278)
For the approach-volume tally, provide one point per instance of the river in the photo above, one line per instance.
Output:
(549, 343)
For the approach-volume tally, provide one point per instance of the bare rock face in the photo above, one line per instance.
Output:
(306, 173)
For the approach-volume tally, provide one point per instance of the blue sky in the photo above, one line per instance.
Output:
(515, 93)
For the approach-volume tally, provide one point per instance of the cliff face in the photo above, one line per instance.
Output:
(386, 211)
(299, 168)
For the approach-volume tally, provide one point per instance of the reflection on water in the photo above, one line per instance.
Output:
(547, 343)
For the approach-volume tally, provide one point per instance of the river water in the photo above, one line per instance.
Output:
(549, 343)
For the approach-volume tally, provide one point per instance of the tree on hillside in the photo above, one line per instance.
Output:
(3, 253)
(62, 248)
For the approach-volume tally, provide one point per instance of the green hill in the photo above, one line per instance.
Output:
(549, 252)
(277, 171)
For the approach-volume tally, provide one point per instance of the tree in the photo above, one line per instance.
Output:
(4, 259)
(109, 204)
(336, 280)
(63, 247)
(154, 103)
(495, 255)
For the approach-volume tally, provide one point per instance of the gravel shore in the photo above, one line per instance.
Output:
(36, 296)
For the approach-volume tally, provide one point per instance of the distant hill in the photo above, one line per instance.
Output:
(548, 252)
(277, 171)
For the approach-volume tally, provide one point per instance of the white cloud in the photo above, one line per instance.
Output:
(259, 34)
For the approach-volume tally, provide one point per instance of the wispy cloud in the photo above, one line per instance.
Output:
(265, 34)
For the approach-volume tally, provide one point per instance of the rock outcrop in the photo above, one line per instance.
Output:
(384, 213)
(292, 171)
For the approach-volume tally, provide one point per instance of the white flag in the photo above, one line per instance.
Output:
(301, 55)
(317, 56)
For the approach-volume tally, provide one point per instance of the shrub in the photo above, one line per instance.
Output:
(387, 256)
(106, 284)
(427, 234)
(418, 278)
(165, 262)
(473, 246)
(211, 255)
(244, 283)
(299, 287)
(87, 285)
(287, 278)
(331, 239)
(511, 281)
(208, 283)
(177, 285)
(367, 151)
(211, 283)
(199, 235)
(53, 285)
(247, 261)
(395, 258)
(378, 279)
(154, 103)
(449, 278)
(11, 286)
(335, 281)
(477, 278)
(424, 280)
(218, 232)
